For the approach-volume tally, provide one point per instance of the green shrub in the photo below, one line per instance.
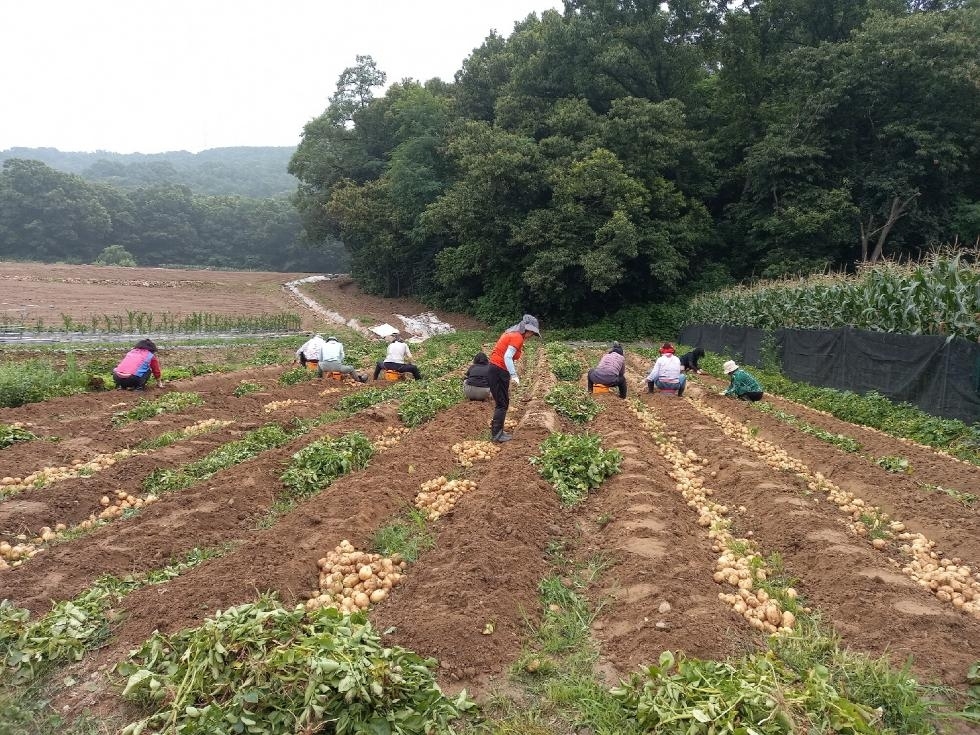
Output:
(35, 380)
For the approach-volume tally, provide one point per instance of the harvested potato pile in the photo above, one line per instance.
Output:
(468, 452)
(14, 555)
(389, 437)
(438, 496)
(352, 580)
(276, 405)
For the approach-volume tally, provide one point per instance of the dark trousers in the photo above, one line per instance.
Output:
(402, 367)
(619, 382)
(129, 381)
(499, 380)
(754, 396)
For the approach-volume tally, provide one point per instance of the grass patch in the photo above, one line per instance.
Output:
(407, 535)
(167, 403)
(36, 380)
(838, 440)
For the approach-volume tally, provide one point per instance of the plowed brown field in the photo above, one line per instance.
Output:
(492, 550)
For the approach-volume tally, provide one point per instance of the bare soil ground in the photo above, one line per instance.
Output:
(493, 549)
(31, 291)
(344, 297)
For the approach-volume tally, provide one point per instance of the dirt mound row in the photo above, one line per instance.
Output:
(659, 555)
(854, 586)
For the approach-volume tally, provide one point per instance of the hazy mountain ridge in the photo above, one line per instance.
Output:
(258, 171)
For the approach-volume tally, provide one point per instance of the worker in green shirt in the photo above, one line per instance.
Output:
(743, 386)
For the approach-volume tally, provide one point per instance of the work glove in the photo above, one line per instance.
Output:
(517, 381)
(160, 383)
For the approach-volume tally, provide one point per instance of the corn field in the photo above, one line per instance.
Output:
(167, 323)
(939, 295)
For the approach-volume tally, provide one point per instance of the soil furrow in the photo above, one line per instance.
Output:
(853, 586)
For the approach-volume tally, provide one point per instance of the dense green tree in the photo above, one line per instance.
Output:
(625, 152)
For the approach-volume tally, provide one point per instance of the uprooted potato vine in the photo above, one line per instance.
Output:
(11, 433)
(245, 387)
(306, 671)
(253, 443)
(167, 403)
(318, 464)
(29, 647)
(575, 464)
(563, 363)
(296, 375)
(569, 400)
(422, 403)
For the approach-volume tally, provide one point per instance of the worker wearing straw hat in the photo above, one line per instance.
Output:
(743, 385)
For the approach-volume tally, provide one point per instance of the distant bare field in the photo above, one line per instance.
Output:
(32, 291)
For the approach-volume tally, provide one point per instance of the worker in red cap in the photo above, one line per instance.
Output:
(666, 372)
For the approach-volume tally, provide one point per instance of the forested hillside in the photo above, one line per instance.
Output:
(49, 215)
(251, 172)
(622, 153)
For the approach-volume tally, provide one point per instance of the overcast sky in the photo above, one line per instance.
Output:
(161, 75)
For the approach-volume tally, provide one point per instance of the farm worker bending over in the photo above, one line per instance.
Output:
(476, 384)
(332, 360)
(397, 358)
(611, 370)
(666, 373)
(134, 369)
(505, 353)
(311, 350)
(743, 386)
(689, 361)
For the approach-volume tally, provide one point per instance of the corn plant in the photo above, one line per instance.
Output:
(938, 295)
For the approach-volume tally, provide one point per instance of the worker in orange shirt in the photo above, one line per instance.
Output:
(505, 353)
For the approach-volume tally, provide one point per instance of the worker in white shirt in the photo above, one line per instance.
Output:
(397, 358)
(311, 351)
(332, 360)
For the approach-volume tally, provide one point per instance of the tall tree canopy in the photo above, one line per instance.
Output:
(627, 152)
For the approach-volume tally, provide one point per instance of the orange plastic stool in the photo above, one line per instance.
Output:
(393, 375)
(312, 365)
(600, 388)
